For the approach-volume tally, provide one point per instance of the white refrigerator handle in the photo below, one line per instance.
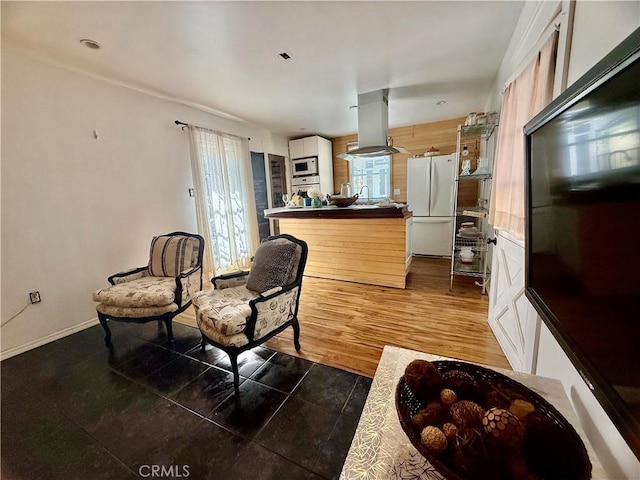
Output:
(434, 184)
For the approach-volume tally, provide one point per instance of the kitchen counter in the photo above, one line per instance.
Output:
(360, 243)
(395, 210)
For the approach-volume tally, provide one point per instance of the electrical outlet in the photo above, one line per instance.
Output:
(34, 297)
(191, 192)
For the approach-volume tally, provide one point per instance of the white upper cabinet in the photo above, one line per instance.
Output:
(310, 146)
(304, 147)
(296, 148)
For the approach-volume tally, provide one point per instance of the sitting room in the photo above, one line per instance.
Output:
(223, 239)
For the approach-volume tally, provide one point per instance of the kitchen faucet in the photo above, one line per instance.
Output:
(368, 193)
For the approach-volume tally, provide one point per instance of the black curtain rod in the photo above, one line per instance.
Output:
(178, 122)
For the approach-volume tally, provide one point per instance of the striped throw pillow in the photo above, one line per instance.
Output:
(171, 255)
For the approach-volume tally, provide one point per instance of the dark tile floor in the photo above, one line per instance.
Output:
(72, 409)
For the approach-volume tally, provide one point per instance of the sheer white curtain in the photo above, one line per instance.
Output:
(531, 91)
(225, 205)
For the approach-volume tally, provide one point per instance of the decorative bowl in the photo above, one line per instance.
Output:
(492, 384)
(342, 201)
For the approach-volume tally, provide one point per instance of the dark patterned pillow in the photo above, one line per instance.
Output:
(272, 265)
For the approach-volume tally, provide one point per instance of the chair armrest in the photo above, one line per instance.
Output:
(271, 291)
(188, 272)
(271, 311)
(188, 283)
(128, 275)
(228, 280)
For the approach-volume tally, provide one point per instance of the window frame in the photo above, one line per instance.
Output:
(357, 186)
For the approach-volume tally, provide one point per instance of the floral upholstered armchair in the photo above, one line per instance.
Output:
(245, 309)
(157, 291)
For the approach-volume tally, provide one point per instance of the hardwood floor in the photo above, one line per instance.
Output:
(346, 325)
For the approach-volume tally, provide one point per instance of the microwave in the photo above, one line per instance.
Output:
(304, 166)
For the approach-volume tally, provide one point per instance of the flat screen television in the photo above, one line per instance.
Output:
(582, 240)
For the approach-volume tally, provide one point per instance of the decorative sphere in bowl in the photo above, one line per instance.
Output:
(483, 439)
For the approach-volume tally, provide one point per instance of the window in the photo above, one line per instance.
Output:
(375, 173)
(225, 207)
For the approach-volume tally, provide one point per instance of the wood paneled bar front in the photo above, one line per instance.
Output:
(362, 243)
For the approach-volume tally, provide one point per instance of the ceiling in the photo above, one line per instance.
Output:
(224, 56)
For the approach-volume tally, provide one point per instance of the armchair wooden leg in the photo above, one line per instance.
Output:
(236, 375)
(203, 342)
(296, 334)
(107, 331)
(167, 322)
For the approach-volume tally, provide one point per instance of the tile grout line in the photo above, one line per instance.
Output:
(321, 449)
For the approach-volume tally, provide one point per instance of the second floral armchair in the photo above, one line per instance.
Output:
(245, 309)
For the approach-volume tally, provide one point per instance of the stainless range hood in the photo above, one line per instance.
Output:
(373, 124)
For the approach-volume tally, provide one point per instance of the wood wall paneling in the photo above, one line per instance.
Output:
(361, 250)
(415, 138)
(340, 166)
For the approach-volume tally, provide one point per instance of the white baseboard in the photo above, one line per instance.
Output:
(49, 338)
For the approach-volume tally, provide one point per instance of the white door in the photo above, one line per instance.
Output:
(513, 320)
(431, 236)
(418, 179)
(441, 191)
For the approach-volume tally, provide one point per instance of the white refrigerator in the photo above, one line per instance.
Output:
(430, 196)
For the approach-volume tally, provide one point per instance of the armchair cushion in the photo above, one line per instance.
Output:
(225, 311)
(171, 254)
(272, 265)
(135, 312)
(141, 292)
(236, 340)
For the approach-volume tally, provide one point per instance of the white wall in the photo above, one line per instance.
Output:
(533, 20)
(76, 209)
(614, 454)
(598, 27)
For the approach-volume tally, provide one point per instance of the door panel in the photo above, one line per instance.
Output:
(432, 236)
(512, 318)
(418, 177)
(296, 148)
(442, 182)
(260, 193)
(310, 146)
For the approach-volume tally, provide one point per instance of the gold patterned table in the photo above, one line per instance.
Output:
(381, 450)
